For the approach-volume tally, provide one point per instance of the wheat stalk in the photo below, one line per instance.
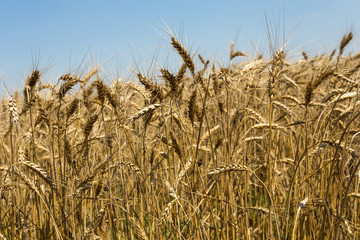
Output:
(40, 171)
(184, 54)
(228, 168)
(143, 111)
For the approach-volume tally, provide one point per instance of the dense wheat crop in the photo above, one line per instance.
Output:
(263, 149)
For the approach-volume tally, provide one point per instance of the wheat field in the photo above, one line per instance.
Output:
(262, 149)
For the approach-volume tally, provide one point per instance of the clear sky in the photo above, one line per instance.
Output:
(74, 35)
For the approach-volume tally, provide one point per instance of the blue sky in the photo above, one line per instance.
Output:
(72, 36)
